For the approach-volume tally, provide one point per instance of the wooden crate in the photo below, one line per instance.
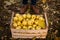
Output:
(29, 33)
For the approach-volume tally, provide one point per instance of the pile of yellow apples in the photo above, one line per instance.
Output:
(28, 22)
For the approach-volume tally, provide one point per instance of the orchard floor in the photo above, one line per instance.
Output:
(57, 38)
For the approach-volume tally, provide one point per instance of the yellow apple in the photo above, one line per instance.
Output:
(42, 19)
(15, 19)
(33, 16)
(33, 28)
(30, 23)
(19, 23)
(18, 27)
(24, 22)
(20, 18)
(32, 20)
(38, 27)
(34, 25)
(24, 27)
(24, 16)
(17, 15)
(28, 15)
(27, 19)
(29, 27)
(14, 24)
(36, 22)
(38, 16)
(42, 24)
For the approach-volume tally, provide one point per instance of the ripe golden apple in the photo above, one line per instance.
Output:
(14, 24)
(18, 27)
(29, 27)
(19, 23)
(24, 27)
(41, 19)
(30, 23)
(41, 24)
(15, 19)
(24, 16)
(38, 27)
(33, 16)
(17, 15)
(27, 19)
(20, 18)
(33, 28)
(32, 20)
(38, 16)
(34, 25)
(24, 22)
(36, 22)
(28, 15)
